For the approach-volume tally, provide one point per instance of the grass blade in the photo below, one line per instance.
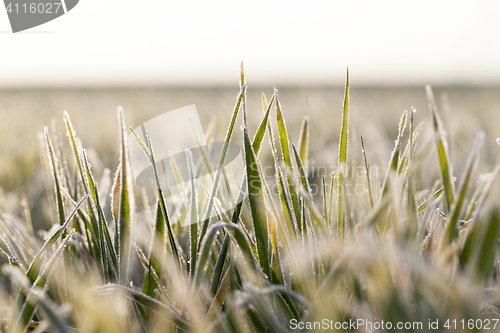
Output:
(257, 205)
(367, 168)
(259, 135)
(156, 253)
(193, 227)
(442, 150)
(148, 150)
(394, 162)
(344, 130)
(103, 230)
(285, 152)
(220, 166)
(451, 228)
(302, 173)
(304, 141)
(55, 174)
(126, 204)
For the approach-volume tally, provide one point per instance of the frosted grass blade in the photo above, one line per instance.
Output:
(344, 130)
(442, 150)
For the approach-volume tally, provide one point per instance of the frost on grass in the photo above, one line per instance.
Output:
(424, 249)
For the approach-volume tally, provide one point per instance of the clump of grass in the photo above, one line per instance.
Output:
(410, 254)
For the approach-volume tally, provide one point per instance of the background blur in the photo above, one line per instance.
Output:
(153, 56)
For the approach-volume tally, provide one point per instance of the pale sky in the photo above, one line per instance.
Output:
(156, 42)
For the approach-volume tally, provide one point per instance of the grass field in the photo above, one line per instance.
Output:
(401, 231)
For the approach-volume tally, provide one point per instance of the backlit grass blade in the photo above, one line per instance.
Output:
(344, 130)
(302, 172)
(259, 135)
(436, 195)
(257, 144)
(286, 206)
(283, 194)
(304, 141)
(72, 141)
(55, 174)
(156, 254)
(229, 133)
(104, 231)
(331, 205)
(126, 204)
(325, 200)
(148, 150)
(193, 227)
(442, 150)
(408, 154)
(285, 152)
(59, 153)
(451, 227)
(257, 205)
(394, 162)
(367, 168)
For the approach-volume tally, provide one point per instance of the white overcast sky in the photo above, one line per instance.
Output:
(157, 42)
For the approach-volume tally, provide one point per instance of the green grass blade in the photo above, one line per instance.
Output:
(485, 253)
(257, 144)
(219, 265)
(72, 141)
(193, 227)
(55, 174)
(156, 254)
(216, 305)
(344, 129)
(331, 205)
(394, 162)
(451, 228)
(259, 135)
(229, 134)
(126, 204)
(442, 150)
(148, 150)
(285, 152)
(104, 234)
(304, 141)
(257, 205)
(302, 172)
(367, 168)
(325, 200)
(436, 195)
